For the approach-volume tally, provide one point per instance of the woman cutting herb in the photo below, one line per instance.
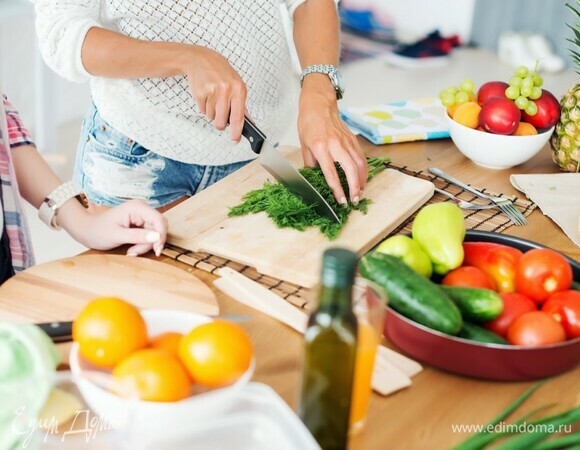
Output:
(167, 77)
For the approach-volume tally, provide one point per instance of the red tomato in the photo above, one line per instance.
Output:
(514, 305)
(534, 329)
(469, 276)
(542, 272)
(565, 308)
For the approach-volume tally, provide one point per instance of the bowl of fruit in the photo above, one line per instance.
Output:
(478, 304)
(502, 124)
(163, 367)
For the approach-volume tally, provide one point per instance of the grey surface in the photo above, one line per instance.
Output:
(546, 17)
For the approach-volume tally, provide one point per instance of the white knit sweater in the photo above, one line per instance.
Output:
(161, 114)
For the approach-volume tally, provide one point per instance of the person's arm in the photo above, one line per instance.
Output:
(130, 223)
(76, 46)
(323, 135)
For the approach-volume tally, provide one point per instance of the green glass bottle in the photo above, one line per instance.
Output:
(329, 355)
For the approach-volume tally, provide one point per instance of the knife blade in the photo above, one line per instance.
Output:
(62, 331)
(273, 161)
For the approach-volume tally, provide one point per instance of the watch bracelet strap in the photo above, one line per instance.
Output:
(316, 68)
(55, 200)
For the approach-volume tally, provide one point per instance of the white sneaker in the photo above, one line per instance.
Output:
(542, 51)
(514, 50)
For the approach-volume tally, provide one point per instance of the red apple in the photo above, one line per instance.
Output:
(499, 115)
(548, 112)
(491, 89)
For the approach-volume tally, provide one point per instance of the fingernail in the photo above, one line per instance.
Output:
(152, 236)
(343, 201)
(132, 254)
(158, 251)
(355, 200)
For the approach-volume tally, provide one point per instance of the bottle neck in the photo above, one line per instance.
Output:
(335, 300)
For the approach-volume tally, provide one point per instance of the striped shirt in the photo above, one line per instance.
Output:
(13, 134)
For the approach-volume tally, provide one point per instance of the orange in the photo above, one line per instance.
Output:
(216, 353)
(467, 114)
(107, 330)
(167, 341)
(154, 374)
(525, 129)
(451, 110)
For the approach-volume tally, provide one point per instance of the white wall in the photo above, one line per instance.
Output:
(19, 69)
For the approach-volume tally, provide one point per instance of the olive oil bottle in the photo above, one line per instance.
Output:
(329, 354)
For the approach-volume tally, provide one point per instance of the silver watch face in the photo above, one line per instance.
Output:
(336, 77)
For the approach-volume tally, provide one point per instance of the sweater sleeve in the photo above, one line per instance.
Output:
(61, 26)
(293, 4)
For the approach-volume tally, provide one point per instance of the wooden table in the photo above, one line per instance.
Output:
(422, 416)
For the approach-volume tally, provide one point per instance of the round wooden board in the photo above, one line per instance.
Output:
(57, 290)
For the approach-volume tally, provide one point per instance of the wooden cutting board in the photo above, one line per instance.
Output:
(201, 223)
(57, 290)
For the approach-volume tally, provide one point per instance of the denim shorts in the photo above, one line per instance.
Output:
(112, 168)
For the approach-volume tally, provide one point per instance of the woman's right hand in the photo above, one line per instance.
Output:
(217, 88)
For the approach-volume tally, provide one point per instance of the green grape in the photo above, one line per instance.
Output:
(526, 91)
(512, 92)
(521, 102)
(521, 71)
(531, 108)
(528, 82)
(467, 86)
(515, 81)
(451, 89)
(447, 99)
(461, 97)
(536, 93)
(538, 80)
(441, 94)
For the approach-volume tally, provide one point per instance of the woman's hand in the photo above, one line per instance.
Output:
(325, 139)
(133, 222)
(218, 89)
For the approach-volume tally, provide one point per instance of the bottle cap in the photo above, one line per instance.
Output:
(338, 267)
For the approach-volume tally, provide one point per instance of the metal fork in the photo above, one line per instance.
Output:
(504, 204)
(465, 204)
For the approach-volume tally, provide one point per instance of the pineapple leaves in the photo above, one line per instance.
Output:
(576, 30)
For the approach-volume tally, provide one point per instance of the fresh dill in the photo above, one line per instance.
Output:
(288, 211)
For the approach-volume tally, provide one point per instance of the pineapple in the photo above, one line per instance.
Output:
(565, 141)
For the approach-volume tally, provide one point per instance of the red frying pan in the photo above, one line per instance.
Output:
(474, 359)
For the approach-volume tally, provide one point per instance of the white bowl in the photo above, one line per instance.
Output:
(121, 412)
(495, 151)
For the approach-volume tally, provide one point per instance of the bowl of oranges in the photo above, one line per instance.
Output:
(501, 125)
(166, 367)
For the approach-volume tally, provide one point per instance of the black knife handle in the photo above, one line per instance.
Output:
(253, 134)
(57, 331)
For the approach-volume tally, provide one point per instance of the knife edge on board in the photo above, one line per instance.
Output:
(279, 167)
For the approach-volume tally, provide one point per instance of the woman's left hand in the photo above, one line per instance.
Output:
(133, 222)
(325, 138)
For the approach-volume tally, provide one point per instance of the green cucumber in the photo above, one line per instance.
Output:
(411, 294)
(476, 305)
(575, 286)
(476, 333)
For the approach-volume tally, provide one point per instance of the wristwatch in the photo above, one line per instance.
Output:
(53, 202)
(332, 72)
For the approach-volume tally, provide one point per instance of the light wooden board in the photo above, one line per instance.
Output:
(201, 224)
(57, 290)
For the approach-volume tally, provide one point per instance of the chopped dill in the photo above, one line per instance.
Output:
(288, 211)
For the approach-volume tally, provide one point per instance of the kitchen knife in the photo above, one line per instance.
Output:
(273, 161)
(62, 331)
